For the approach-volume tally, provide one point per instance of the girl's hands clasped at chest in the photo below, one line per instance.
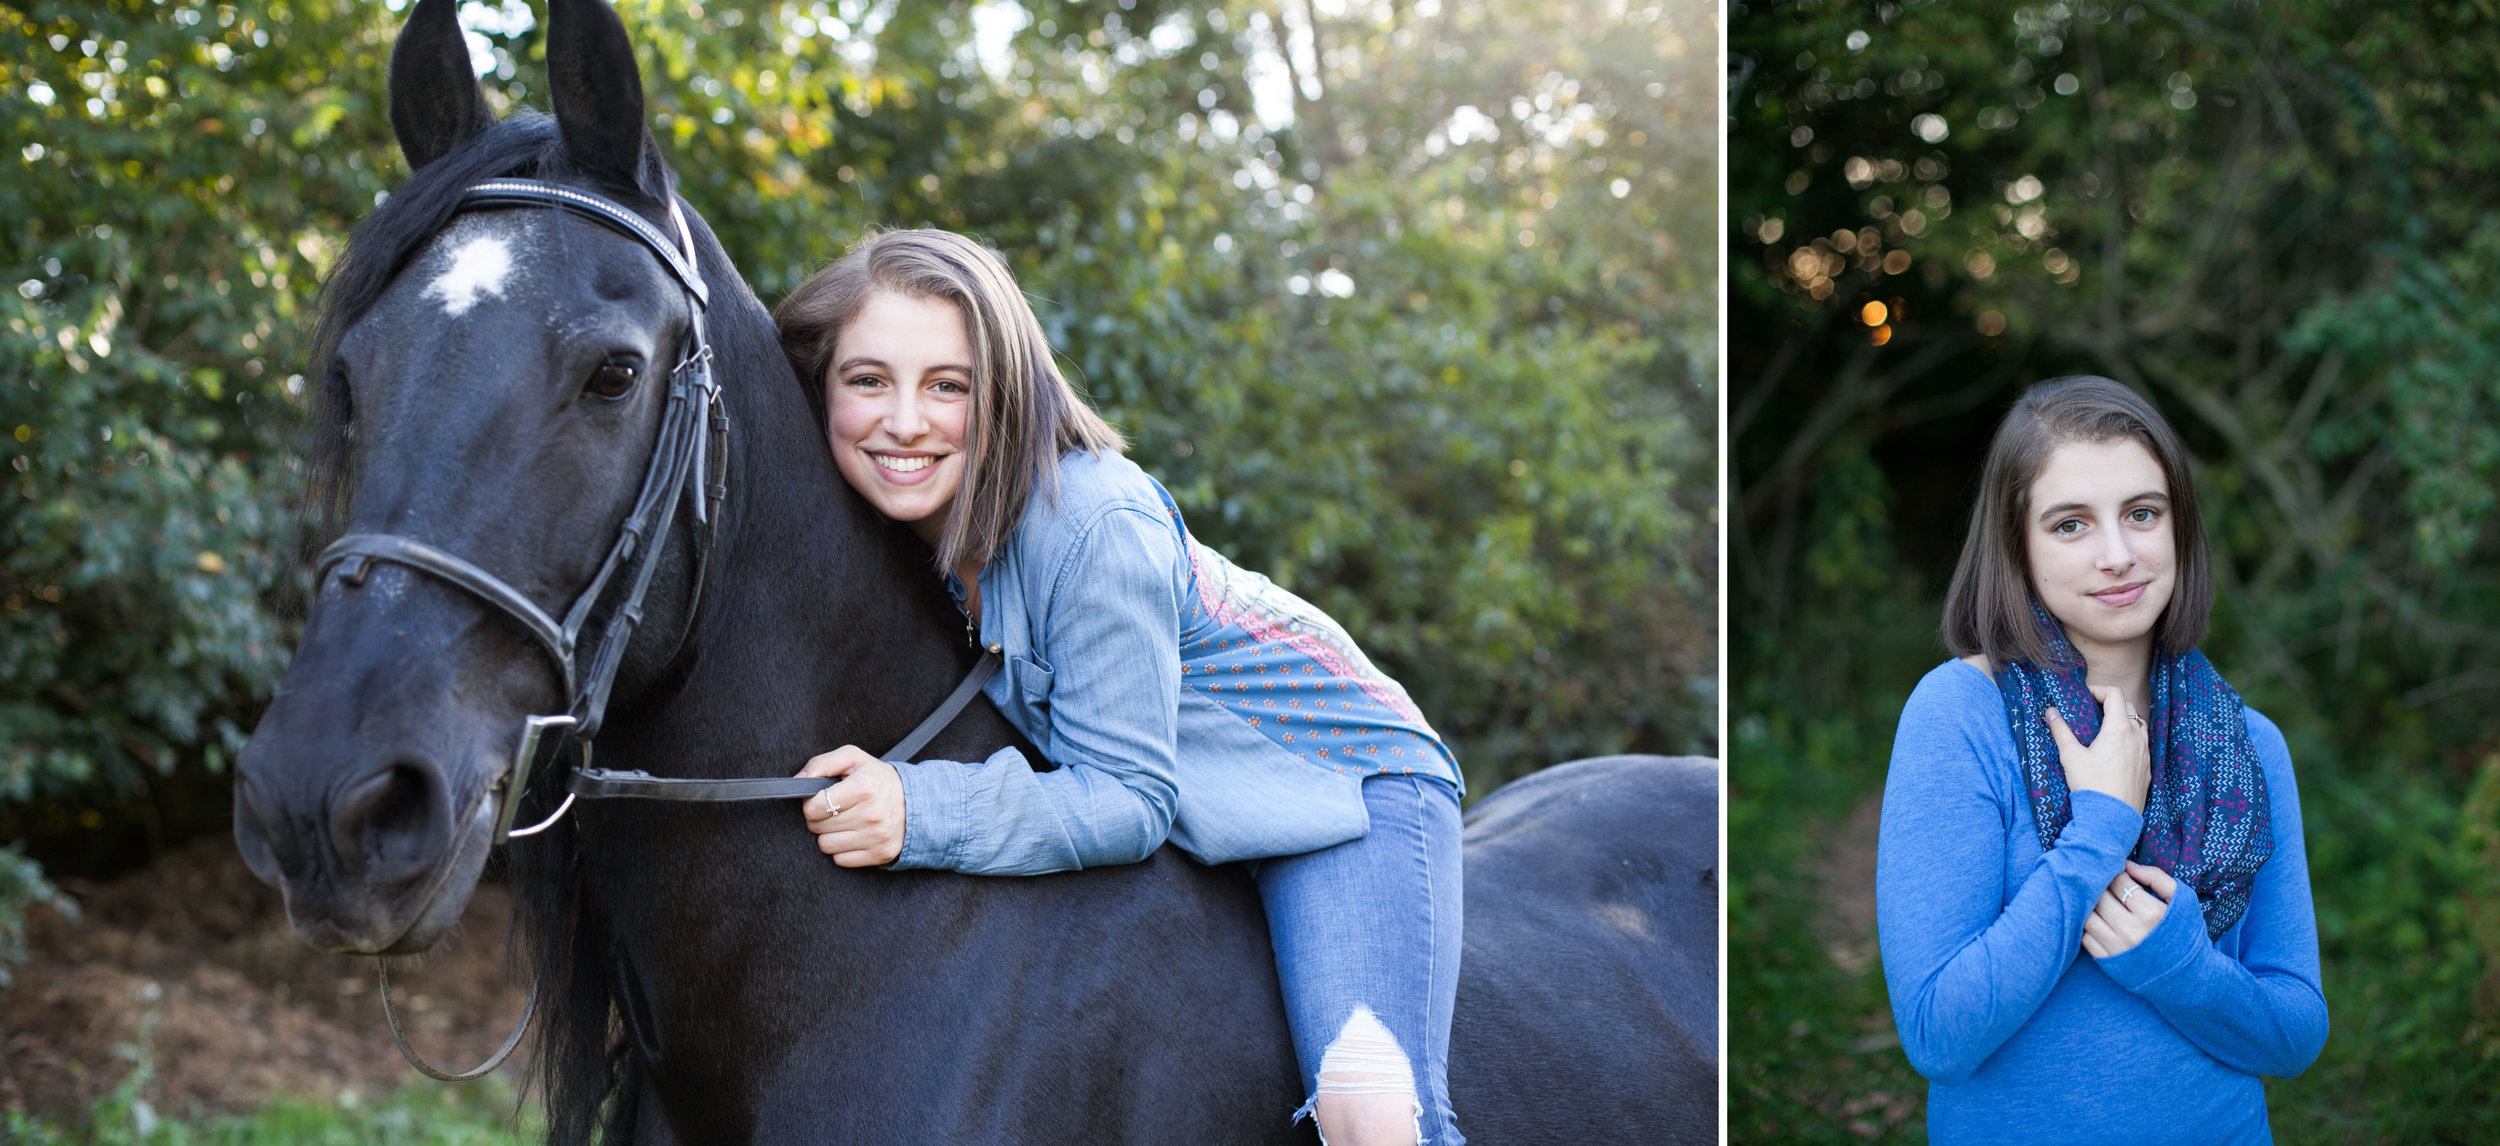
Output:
(858, 821)
(2119, 762)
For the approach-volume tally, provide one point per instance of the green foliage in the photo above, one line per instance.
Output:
(22, 883)
(1458, 391)
(180, 173)
(2272, 221)
(2431, 331)
(2401, 872)
(476, 1115)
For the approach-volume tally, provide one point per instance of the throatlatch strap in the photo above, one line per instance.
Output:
(946, 713)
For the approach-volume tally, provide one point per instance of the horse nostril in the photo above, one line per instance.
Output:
(389, 822)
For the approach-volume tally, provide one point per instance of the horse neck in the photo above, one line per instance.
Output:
(823, 624)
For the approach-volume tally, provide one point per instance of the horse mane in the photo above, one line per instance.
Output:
(581, 1060)
(581, 1049)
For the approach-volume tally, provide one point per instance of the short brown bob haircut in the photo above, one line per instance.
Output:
(1023, 414)
(1988, 608)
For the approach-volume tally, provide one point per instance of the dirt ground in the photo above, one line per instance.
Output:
(1846, 925)
(190, 964)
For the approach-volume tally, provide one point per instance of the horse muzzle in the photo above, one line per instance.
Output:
(369, 793)
(382, 865)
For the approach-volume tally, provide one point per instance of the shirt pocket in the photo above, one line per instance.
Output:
(1032, 679)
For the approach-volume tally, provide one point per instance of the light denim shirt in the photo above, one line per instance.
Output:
(1180, 697)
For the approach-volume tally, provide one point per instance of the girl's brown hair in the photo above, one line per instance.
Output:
(1987, 610)
(1024, 413)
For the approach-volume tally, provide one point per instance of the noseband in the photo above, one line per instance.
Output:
(689, 463)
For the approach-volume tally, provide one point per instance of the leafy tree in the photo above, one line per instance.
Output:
(1341, 341)
(182, 174)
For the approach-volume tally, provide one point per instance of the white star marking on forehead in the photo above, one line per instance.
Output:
(478, 268)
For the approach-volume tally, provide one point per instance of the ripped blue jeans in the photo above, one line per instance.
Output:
(1370, 927)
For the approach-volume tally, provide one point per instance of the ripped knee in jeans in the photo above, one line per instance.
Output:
(1367, 1088)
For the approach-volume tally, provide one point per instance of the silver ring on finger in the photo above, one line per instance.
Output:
(2139, 721)
(2131, 890)
(830, 808)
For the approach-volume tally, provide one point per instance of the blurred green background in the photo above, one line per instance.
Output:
(1412, 303)
(2278, 222)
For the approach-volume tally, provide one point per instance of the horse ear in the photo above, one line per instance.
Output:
(596, 89)
(435, 105)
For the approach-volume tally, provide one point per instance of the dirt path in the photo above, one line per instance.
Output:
(191, 964)
(1845, 875)
(1845, 878)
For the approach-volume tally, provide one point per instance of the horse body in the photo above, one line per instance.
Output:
(1588, 990)
(1093, 1008)
(707, 975)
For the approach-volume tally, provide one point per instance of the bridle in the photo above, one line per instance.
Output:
(690, 464)
(693, 441)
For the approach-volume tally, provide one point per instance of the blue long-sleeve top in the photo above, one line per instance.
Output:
(2022, 1036)
(1180, 697)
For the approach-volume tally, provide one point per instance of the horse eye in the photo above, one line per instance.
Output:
(613, 380)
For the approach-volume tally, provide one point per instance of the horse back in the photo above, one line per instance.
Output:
(1588, 988)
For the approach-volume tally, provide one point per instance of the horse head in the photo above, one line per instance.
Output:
(496, 380)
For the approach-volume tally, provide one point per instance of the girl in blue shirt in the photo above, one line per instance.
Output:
(2090, 885)
(1179, 696)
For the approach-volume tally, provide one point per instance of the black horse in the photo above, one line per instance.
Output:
(490, 386)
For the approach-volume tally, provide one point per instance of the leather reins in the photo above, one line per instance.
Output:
(689, 463)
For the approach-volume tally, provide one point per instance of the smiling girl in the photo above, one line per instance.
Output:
(1178, 696)
(2090, 885)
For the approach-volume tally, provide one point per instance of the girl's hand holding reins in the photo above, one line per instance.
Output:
(858, 821)
(2119, 762)
(2132, 907)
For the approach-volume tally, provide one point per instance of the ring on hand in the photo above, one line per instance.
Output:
(2131, 890)
(830, 808)
(2139, 721)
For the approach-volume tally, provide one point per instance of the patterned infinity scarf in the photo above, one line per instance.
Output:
(2205, 816)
